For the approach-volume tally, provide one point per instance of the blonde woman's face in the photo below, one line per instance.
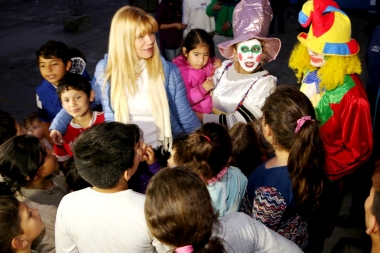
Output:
(144, 45)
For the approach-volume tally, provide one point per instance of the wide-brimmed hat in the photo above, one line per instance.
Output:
(251, 20)
(330, 29)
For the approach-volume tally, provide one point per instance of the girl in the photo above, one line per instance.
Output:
(282, 190)
(20, 225)
(179, 213)
(207, 152)
(135, 85)
(247, 153)
(242, 84)
(28, 167)
(34, 127)
(197, 69)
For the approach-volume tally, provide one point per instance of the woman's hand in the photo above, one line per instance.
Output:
(56, 137)
(149, 156)
(180, 26)
(208, 84)
(216, 7)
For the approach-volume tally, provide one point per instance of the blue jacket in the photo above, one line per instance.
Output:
(182, 117)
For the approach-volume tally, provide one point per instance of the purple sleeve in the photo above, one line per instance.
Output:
(154, 167)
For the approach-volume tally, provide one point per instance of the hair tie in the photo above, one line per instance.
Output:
(185, 249)
(207, 138)
(302, 121)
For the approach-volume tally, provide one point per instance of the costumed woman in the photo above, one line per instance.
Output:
(241, 83)
(326, 61)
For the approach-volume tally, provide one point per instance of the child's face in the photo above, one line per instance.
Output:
(171, 162)
(198, 57)
(53, 69)
(140, 151)
(76, 102)
(30, 221)
(35, 129)
(50, 165)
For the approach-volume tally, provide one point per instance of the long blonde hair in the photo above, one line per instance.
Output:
(122, 58)
(331, 74)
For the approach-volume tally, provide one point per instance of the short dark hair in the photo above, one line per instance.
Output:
(28, 119)
(71, 81)
(7, 126)
(20, 157)
(104, 151)
(10, 222)
(198, 37)
(73, 179)
(54, 49)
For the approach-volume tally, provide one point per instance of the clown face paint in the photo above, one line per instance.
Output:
(317, 60)
(249, 54)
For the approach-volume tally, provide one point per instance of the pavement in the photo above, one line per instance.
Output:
(25, 25)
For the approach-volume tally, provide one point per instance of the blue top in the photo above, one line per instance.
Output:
(182, 117)
(48, 102)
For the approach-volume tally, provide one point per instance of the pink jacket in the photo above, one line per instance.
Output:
(200, 99)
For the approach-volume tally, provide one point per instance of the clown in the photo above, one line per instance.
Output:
(241, 83)
(326, 62)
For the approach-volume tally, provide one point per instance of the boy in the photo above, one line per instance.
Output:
(54, 62)
(75, 93)
(109, 217)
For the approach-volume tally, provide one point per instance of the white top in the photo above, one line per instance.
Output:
(90, 221)
(194, 15)
(230, 89)
(140, 112)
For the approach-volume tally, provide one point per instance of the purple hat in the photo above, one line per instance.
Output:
(251, 20)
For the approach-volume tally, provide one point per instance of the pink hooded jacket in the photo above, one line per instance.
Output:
(200, 99)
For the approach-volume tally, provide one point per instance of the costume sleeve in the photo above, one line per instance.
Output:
(61, 153)
(268, 206)
(195, 91)
(181, 109)
(63, 242)
(355, 145)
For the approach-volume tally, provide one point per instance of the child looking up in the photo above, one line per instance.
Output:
(197, 68)
(282, 190)
(29, 167)
(76, 95)
(207, 152)
(34, 127)
(20, 225)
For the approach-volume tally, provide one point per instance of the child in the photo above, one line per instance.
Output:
(106, 156)
(20, 225)
(197, 69)
(74, 181)
(54, 62)
(282, 190)
(179, 213)
(75, 93)
(9, 127)
(31, 169)
(246, 151)
(34, 127)
(207, 152)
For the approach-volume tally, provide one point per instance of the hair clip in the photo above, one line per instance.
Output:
(207, 138)
(302, 121)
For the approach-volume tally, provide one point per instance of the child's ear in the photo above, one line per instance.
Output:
(68, 65)
(19, 243)
(372, 226)
(127, 175)
(92, 96)
(184, 51)
(35, 178)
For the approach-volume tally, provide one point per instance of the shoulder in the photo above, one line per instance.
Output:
(45, 87)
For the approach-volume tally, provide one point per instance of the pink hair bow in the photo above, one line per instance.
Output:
(184, 249)
(302, 121)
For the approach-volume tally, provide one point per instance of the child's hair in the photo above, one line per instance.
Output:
(54, 49)
(20, 157)
(10, 222)
(30, 118)
(71, 81)
(198, 37)
(179, 212)
(349, 245)
(306, 162)
(206, 151)
(7, 126)
(73, 179)
(105, 151)
(246, 152)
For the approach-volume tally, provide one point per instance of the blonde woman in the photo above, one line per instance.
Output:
(136, 85)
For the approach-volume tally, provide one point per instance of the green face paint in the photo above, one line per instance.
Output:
(256, 49)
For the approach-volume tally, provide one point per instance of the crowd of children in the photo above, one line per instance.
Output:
(251, 178)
